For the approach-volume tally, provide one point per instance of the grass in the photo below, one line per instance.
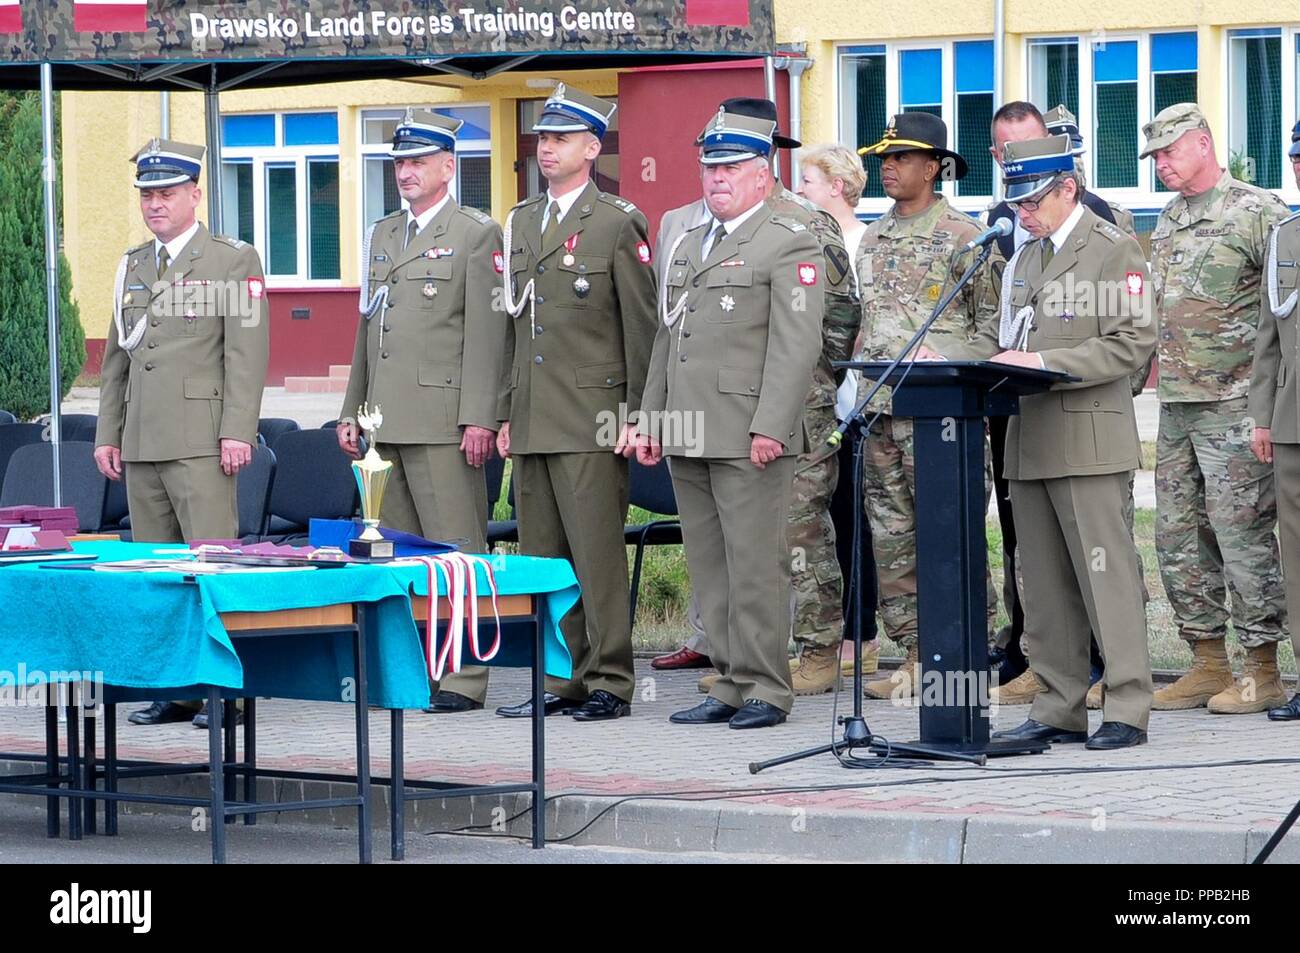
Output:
(665, 589)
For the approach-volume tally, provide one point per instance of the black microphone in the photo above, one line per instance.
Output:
(999, 229)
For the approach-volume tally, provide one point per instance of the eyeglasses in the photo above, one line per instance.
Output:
(1032, 205)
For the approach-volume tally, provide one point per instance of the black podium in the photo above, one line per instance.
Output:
(948, 401)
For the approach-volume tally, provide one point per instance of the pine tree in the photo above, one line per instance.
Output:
(24, 341)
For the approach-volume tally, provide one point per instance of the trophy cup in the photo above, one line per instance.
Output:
(372, 474)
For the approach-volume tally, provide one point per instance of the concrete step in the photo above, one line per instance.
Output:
(315, 385)
(340, 371)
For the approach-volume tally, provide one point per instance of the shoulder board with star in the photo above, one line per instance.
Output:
(619, 203)
(531, 200)
(400, 213)
(475, 214)
(141, 247)
(228, 240)
(789, 223)
(1109, 231)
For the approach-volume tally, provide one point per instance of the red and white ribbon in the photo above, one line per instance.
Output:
(462, 587)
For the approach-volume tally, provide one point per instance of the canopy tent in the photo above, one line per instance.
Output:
(207, 46)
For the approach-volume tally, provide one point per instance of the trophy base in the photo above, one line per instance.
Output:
(371, 550)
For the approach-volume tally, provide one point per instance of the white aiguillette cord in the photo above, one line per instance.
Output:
(370, 304)
(1285, 308)
(126, 342)
(462, 586)
(529, 294)
(1013, 332)
(668, 315)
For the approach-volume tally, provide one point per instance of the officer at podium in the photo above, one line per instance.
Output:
(1075, 299)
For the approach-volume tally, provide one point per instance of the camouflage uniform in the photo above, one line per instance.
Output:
(1216, 509)
(815, 569)
(902, 267)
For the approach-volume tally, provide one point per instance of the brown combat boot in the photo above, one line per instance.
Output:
(1096, 696)
(1258, 689)
(1021, 690)
(815, 670)
(900, 684)
(870, 658)
(1210, 674)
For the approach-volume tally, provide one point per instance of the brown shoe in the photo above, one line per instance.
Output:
(1209, 675)
(1258, 689)
(902, 683)
(682, 658)
(705, 684)
(815, 671)
(1021, 690)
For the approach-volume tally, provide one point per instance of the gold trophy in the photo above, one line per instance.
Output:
(372, 474)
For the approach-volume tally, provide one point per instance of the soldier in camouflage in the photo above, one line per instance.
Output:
(815, 571)
(904, 261)
(1216, 508)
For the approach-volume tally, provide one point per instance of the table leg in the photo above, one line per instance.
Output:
(74, 770)
(539, 731)
(230, 719)
(92, 771)
(365, 613)
(51, 763)
(216, 778)
(397, 786)
(250, 757)
(110, 767)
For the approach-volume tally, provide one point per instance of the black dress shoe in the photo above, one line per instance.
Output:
(602, 706)
(1288, 712)
(448, 702)
(1115, 734)
(553, 704)
(1037, 731)
(160, 713)
(757, 714)
(708, 712)
(201, 719)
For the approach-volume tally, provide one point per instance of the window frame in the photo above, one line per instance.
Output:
(1289, 80)
(264, 157)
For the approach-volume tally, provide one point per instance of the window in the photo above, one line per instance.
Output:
(472, 184)
(949, 79)
(1115, 108)
(1255, 106)
(1173, 74)
(974, 107)
(1054, 73)
(280, 191)
(863, 106)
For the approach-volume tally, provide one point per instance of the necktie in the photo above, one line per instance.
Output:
(552, 228)
(1049, 249)
(164, 260)
(716, 234)
(412, 230)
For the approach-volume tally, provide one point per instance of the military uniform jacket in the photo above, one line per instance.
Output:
(903, 265)
(1274, 392)
(1092, 319)
(1206, 269)
(432, 357)
(739, 357)
(196, 377)
(585, 352)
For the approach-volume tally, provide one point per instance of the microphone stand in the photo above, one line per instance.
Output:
(857, 733)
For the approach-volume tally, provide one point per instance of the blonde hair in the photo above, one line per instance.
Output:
(839, 162)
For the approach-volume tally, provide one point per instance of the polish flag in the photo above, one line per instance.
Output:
(11, 17)
(109, 16)
(717, 12)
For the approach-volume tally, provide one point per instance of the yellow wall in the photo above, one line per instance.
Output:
(101, 219)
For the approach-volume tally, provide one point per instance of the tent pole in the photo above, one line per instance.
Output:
(48, 174)
(212, 118)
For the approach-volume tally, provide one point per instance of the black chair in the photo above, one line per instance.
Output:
(329, 425)
(650, 488)
(74, 427)
(270, 429)
(501, 531)
(14, 436)
(313, 478)
(116, 510)
(254, 485)
(29, 478)
(7, 418)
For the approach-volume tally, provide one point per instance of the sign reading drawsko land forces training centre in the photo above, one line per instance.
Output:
(162, 30)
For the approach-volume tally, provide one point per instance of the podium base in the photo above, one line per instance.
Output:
(961, 750)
